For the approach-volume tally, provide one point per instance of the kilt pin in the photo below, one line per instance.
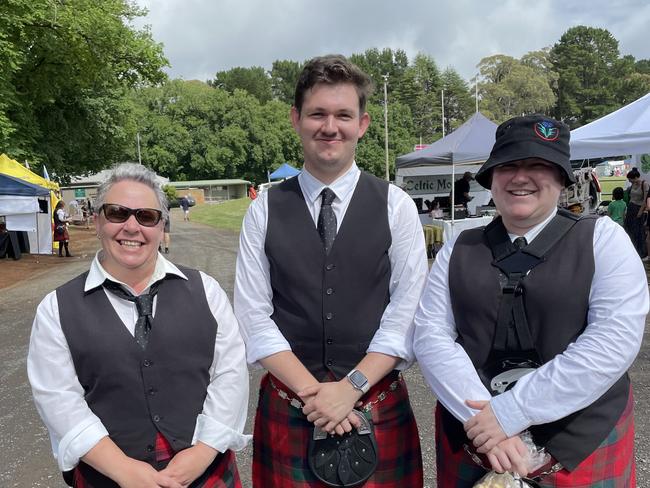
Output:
(282, 433)
(611, 465)
(222, 473)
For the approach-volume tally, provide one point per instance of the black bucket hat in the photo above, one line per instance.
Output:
(532, 136)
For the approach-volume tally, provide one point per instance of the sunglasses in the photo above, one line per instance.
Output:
(118, 214)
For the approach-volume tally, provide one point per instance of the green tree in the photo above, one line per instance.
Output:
(378, 63)
(511, 87)
(254, 80)
(284, 77)
(371, 155)
(459, 103)
(419, 89)
(586, 60)
(67, 67)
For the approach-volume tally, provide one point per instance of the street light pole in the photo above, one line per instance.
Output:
(442, 99)
(386, 124)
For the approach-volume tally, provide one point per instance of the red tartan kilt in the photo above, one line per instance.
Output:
(282, 432)
(222, 473)
(611, 465)
(62, 235)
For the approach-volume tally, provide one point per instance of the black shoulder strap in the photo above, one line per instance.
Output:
(512, 330)
(552, 233)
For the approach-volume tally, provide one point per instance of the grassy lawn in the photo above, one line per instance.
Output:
(226, 215)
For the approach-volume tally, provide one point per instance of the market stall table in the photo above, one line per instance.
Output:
(451, 229)
(432, 239)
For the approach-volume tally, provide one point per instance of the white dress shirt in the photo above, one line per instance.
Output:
(74, 429)
(407, 254)
(618, 304)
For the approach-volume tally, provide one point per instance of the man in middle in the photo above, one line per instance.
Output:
(330, 269)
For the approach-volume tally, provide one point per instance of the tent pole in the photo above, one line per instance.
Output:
(38, 240)
(453, 191)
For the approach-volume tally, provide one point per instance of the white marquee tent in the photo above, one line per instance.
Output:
(625, 131)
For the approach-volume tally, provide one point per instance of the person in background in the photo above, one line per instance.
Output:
(85, 214)
(461, 190)
(137, 366)
(185, 205)
(167, 227)
(617, 207)
(529, 325)
(252, 193)
(635, 217)
(326, 296)
(61, 235)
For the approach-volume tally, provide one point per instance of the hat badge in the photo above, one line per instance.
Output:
(547, 131)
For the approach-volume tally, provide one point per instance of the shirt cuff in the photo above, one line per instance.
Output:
(78, 441)
(393, 344)
(510, 416)
(265, 345)
(218, 436)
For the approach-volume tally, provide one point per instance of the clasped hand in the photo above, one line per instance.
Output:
(329, 406)
(504, 453)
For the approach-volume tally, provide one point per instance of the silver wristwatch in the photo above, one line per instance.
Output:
(358, 380)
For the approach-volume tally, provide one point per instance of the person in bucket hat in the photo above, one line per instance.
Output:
(562, 295)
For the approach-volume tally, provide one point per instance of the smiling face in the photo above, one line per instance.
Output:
(329, 126)
(129, 249)
(525, 192)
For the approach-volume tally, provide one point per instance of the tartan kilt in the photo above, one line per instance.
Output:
(282, 432)
(611, 464)
(222, 473)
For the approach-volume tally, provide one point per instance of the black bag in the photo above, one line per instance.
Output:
(346, 460)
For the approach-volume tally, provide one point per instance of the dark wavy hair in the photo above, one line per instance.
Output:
(331, 70)
(633, 173)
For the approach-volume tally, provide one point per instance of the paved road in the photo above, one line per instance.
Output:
(27, 459)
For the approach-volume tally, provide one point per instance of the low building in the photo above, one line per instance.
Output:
(213, 190)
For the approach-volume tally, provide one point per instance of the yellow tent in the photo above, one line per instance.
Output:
(13, 168)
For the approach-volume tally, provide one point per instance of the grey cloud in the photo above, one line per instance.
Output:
(202, 37)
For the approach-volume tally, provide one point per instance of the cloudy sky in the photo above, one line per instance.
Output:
(202, 37)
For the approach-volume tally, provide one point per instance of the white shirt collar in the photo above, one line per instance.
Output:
(342, 186)
(97, 274)
(534, 232)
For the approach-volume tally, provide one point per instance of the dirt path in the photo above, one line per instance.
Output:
(27, 455)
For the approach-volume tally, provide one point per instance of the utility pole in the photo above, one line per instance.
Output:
(138, 139)
(476, 90)
(386, 123)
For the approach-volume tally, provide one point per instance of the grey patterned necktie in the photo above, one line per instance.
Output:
(144, 304)
(520, 242)
(327, 220)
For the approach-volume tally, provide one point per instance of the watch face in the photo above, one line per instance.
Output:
(358, 379)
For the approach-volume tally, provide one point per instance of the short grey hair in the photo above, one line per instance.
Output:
(132, 172)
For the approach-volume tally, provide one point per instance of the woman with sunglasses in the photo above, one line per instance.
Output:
(134, 379)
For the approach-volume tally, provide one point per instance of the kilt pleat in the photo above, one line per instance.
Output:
(282, 432)
(611, 465)
(222, 473)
